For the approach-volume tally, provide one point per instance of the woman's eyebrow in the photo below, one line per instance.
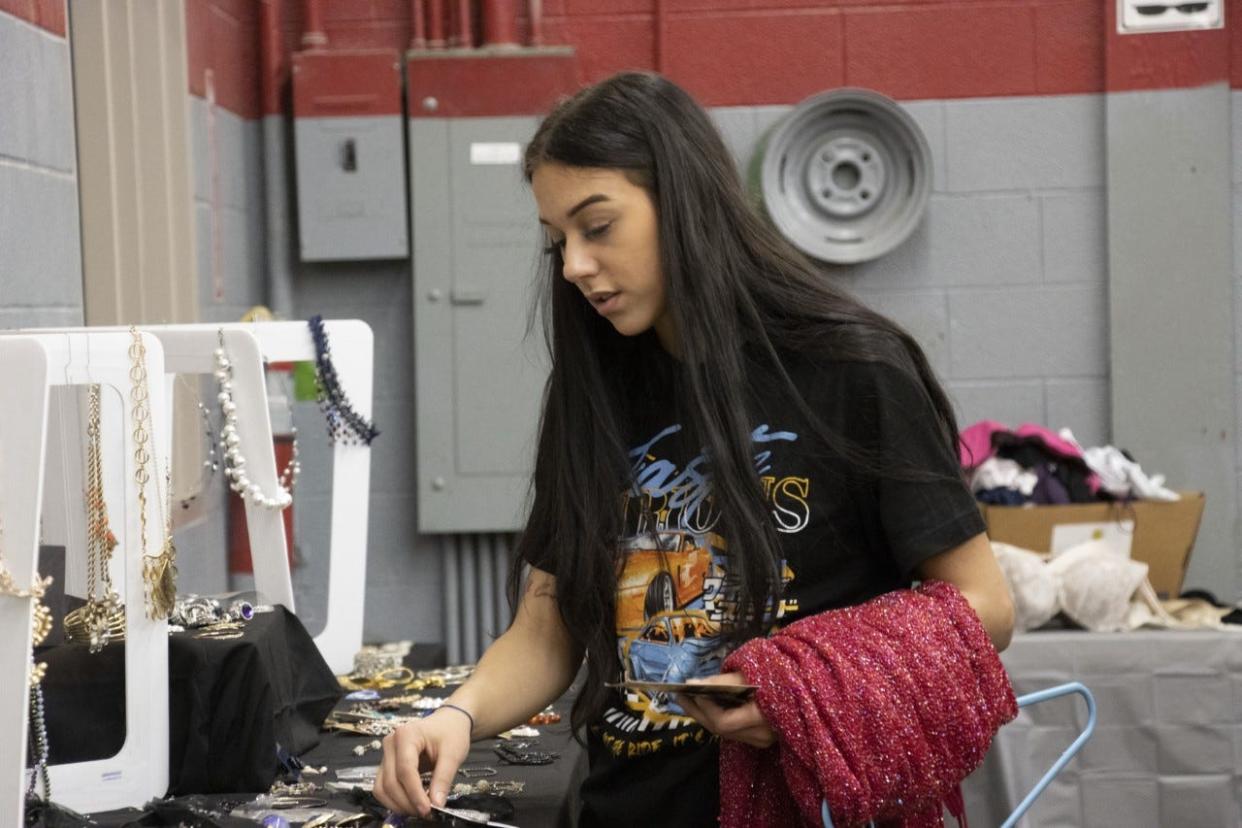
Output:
(579, 207)
(586, 202)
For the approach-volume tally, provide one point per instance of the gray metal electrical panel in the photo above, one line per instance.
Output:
(351, 191)
(479, 377)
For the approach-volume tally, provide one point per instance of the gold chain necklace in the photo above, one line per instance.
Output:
(103, 616)
(40, 615)
(159, 572)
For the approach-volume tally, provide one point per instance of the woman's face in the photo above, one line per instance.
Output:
(606, 230)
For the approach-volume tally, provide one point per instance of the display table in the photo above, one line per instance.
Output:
(1167, 749)
(230, 703)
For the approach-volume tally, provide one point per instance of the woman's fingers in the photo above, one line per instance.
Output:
(409, 746)
(445, 771)
(744, 723)
(387, 789)
(398, 786)
(436, 743)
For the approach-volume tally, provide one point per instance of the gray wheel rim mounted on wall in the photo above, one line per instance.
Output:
(845, 176)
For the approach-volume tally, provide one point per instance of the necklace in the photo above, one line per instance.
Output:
(41, 616)
(234, 460)
(38, 745)
(344, 423)
(103, 615)
(41, 622)
(210, 465)
(159, 572)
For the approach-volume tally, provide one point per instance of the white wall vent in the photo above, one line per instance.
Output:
(1141, 16)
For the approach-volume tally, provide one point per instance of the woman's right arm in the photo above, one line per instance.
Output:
(527, 668)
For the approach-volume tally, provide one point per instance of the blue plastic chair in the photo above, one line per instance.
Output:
(1025, 701)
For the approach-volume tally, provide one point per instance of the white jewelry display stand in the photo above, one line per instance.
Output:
(189, 349)
(33, 364)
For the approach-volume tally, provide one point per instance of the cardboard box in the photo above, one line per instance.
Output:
(1164, 533)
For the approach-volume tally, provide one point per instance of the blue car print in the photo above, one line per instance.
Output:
(675, 646)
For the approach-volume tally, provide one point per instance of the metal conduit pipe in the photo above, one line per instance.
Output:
(418, 24)
(463, 25)
(534, 10)
(501, 563)
(487, 592)
(314, 35)
(469, 601)
(450, 547)
(500, 23)
(274, 132)
(435, 24)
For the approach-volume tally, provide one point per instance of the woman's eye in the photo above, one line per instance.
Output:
(554, 247)
(597, 231)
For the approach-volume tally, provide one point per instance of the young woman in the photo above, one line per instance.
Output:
(728, 443)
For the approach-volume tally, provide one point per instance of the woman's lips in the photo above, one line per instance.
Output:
(605, 302)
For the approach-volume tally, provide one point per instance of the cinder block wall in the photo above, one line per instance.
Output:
(1236, 111)
(40, 249)
(1004, 283)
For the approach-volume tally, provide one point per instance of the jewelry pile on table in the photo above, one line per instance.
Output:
(210, 619)
(384, 694)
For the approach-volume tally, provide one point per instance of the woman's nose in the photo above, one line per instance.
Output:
(577, 261)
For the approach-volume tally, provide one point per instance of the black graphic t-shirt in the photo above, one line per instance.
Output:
(846, 537)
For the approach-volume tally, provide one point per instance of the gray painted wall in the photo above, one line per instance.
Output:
(1171, 303)
(40, 248)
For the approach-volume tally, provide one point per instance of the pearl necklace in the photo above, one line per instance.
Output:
(234, 461)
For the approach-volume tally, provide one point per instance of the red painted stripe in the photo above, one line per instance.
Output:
(1069, 54)
(957, 51)
(48, 15)
(748, 52)
(1233, 23)
(339, 84)
(520, 84)
(620, 43)
(1164, 60)
(802, 53)
(223, 36)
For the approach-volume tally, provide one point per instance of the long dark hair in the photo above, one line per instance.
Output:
(731, 282)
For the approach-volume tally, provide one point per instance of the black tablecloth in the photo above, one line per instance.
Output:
(230, 703)
(548, 799)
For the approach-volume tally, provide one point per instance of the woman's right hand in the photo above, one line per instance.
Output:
(439, 743)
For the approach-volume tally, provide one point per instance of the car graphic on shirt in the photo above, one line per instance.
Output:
(661, 574)
(674, 646)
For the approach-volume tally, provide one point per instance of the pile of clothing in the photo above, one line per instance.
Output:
(1033, 464)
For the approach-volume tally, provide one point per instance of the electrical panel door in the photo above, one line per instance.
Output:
(479, 375)
(349, 154)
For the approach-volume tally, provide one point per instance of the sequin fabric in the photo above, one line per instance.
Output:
(883, 708)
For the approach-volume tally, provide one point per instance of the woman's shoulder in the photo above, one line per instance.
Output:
(850, 354)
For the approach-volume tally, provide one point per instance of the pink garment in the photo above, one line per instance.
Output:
(975, 446)
(1054, 442)
(883, 708)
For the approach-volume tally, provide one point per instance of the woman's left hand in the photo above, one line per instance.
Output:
(743, 723)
